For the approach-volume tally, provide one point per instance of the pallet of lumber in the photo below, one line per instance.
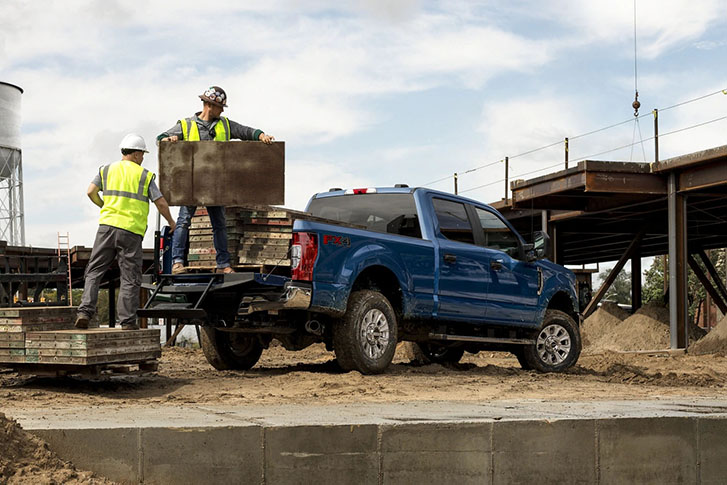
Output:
(92, 346)
(15, 323)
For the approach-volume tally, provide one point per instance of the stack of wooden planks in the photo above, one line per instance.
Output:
(15, 323)
(93, 346)
(201, 245)
(259, 237)
(45, 335)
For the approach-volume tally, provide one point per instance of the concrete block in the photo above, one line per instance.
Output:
(436, 453)
(214, 173)
(712, 450)
(544, 452)
(647, 450)
(322, 455)
(111, 453)
(202, 455)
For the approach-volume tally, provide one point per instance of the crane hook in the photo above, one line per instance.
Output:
(636, 105)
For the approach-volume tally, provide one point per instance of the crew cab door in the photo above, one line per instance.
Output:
(512, 292)
(462, 266)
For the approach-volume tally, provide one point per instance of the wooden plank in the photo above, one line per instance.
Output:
(95, 352)
(18, 344)
(34, 327)
(5, 352)
(93, 334)
(264, 261)
(84, 344)
(214, 173)
(93, 360)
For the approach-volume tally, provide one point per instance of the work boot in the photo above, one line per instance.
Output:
(82, 322)
(225, 270)
(178, 268)
(130, 326)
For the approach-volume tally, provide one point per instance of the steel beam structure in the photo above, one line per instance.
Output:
(678, 309)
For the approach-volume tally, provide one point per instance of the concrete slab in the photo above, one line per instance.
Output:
(664, 441)
(436, 453)
(544, 451)
(648, 450)
(322, 454)
(201, 455)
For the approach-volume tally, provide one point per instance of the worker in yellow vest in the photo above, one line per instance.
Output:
(127, 189)
(207, 124)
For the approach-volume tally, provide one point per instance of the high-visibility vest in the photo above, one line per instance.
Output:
(125, 196)
(190, 130)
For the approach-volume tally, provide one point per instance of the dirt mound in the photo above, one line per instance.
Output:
(612, 329)
(597, 329)
(715, 342)
(26, 459)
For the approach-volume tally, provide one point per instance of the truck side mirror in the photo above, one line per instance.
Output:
(541, 244)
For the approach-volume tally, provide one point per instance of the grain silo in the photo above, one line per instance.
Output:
(12, 220)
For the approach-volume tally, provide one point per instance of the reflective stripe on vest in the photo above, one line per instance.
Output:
(126, 196)
(190, 130)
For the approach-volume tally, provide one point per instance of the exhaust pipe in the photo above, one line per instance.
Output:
(314, 326)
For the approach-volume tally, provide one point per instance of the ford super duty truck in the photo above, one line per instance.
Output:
(370, 268)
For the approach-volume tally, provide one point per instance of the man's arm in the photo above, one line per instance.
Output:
(92, 193)
(242, 132)
(163, 208)
(172, 134)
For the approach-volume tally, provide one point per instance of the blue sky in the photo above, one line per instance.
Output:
(364, 93)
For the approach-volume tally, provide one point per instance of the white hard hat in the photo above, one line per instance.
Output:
(132, 141)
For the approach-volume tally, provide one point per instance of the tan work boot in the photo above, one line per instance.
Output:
(130, 326)
(226, 270)
(82, 322)
(178, 268)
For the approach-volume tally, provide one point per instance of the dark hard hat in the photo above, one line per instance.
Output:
(215, 95)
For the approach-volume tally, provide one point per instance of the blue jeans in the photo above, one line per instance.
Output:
(219, 234)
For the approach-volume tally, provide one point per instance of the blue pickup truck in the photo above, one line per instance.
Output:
(373, 267)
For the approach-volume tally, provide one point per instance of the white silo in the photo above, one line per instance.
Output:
(12, 219)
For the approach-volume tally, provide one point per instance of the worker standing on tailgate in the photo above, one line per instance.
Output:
(207, 125)
(127, 189)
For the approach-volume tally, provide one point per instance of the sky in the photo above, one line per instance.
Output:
(365, 93)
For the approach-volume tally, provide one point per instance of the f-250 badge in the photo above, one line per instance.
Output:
(336, 240)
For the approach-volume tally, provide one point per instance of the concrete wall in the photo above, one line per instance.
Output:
(631, 450)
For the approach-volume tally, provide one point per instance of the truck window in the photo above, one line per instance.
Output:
(453, 221)
(390, 213)
(497, 234)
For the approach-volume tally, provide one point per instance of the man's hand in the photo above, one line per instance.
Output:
(172, 226)
(267, 139)
(170, 138)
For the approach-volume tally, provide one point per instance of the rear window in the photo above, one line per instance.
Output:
(390, 213)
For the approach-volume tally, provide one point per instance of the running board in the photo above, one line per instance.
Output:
(484, 340)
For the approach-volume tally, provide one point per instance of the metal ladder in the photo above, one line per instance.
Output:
(64, 245)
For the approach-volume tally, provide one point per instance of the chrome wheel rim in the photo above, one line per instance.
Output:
(375, 333)
(554, 344)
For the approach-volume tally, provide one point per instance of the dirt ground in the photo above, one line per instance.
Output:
(311, 376)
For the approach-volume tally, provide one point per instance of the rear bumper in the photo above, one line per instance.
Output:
(297, 296)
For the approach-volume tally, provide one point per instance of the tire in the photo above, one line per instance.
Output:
(520, 354)
(557, 344)
(229, 350)
(365, 338)
(432, 353)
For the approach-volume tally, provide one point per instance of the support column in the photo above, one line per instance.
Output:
(636, 281)
(678, 309)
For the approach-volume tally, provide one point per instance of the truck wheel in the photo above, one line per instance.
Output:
(520, 354)
(229, 350)
(557, 343)
(431, 353)
(365, 338)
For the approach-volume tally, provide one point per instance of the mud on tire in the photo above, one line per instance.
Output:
(229, 350)
(557, 344)
(365, 338)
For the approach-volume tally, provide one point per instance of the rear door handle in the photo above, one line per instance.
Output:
(496, 264)
(450, 258)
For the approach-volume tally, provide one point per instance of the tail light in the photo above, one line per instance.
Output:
(303, 253)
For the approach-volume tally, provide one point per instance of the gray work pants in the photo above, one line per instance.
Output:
(114, 243)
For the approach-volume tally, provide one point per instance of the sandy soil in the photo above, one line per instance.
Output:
(312, 375)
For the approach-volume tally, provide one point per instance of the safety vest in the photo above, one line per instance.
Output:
(190, 130)
(125, 196)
